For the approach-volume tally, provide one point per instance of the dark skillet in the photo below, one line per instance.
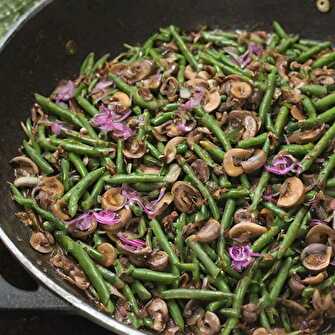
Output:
(35, 59)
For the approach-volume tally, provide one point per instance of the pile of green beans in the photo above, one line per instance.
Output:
(191, 181)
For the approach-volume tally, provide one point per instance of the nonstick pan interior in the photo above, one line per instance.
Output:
(35, 59)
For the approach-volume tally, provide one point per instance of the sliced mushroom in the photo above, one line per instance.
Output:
(209, 232)
(232, 160)
(189, 73)
(315, 280)
(320, 233)
(316, 257)
(83, 234)
(306, 136)
(291, 193)
(250, 313)
(159, 313)
(134, 149)
(186, 197)
(212, 101)
(244, 214)
(169, 88)
(240, 89)
(153, 82)
(135, 254)
(125, 214)
(248, 120)
(24, 166)
(170, 150)
(173, 173)
(113, 199)
(193, 312)
(294, 306)
(296, 285)
(297, 113)
(162, 204)
(201, 169)
(122, 98)
(246, 230)
(109, 253)
(209, 324)
(57, 209)
(42, 242)
(52, 186)
(255, 162)
(158, 260)
(26, 181)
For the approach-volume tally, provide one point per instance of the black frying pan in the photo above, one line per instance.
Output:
(34, 59)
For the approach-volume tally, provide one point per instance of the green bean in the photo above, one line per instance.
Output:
(176, 314)
(184, 49)
(281, 120)
(162, 118)
(227, 217)
(100, 62)
(201, 187)
(129, 295)
(312, 51)
(87, 266)
(153, 151)
(38, 159)
(215, 305)
(237, 193)
(286, 43)
(291, 233)
(181, 70)
(42, 140)
(279, 30)
(80, 188)
(258, 193)
(280, 280)
(213, 150)
(163, 241)
(110, 277)
(196, 294)
(154, 276)
(61, 112)
(133, 92)
(314, 90)
(78, 164)
(78, 137)
(86, 124)
(140, 290)
(253, 141)
(65, 174)
(324, 60)
(325, 102)
(264, 108)
(86, 105)
(133, 178)
(319, 147)
(93, 197)
(330, 183)
(309, 107)
(297, 149)
(87, 65)
(119, 157)
(328, 168)
(276, 210)
(203, 155)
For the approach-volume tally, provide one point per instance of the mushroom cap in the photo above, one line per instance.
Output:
(240, 89)
(209, 232)
(57, 210)
(122, 98)
(170, 150)
(42, 242)
(125, 214)
(83, 234)
(291, 193)
(319, 234)
(255, 162)
(158, 260)
(209, 324)
(232, 159)
(306, 136)
(158, 310)
(109, 253)
(24, 166)
(247, 229)
(213, 100)
(134, 148)
(186, 197)
(113, 199)
(316, 256)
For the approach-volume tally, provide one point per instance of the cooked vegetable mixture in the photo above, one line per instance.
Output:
(188, 186)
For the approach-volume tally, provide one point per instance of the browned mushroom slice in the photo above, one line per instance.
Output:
(209, 324)
(109, 253)
(52, 186)
(294, 306)
(255, 162)
(296, 285)
(240, 89)
(153, 82)
(316, 257)
(246, 230)
(158, 311)
(209, 232)
(26, 181)
(134, 149)
(244, 214)
(162, 204)
(173, 173)
(306, 136)
(186, 197)
(122, 98)
(42, 242)
(170, 150)
(24, 166)
(139, 70)
(169, 88)
(201, 169)
(291, 193)
(189, 73)
(250, 313)
(248, 120)
(320, 233)
(158, 260)
(125, 214)
(82, 234)
(58, 208)
(297, 113)
(315, 280)
(113, 199)
(212, 101)
(232, 161)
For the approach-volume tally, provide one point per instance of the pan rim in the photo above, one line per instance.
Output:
(81, 306)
